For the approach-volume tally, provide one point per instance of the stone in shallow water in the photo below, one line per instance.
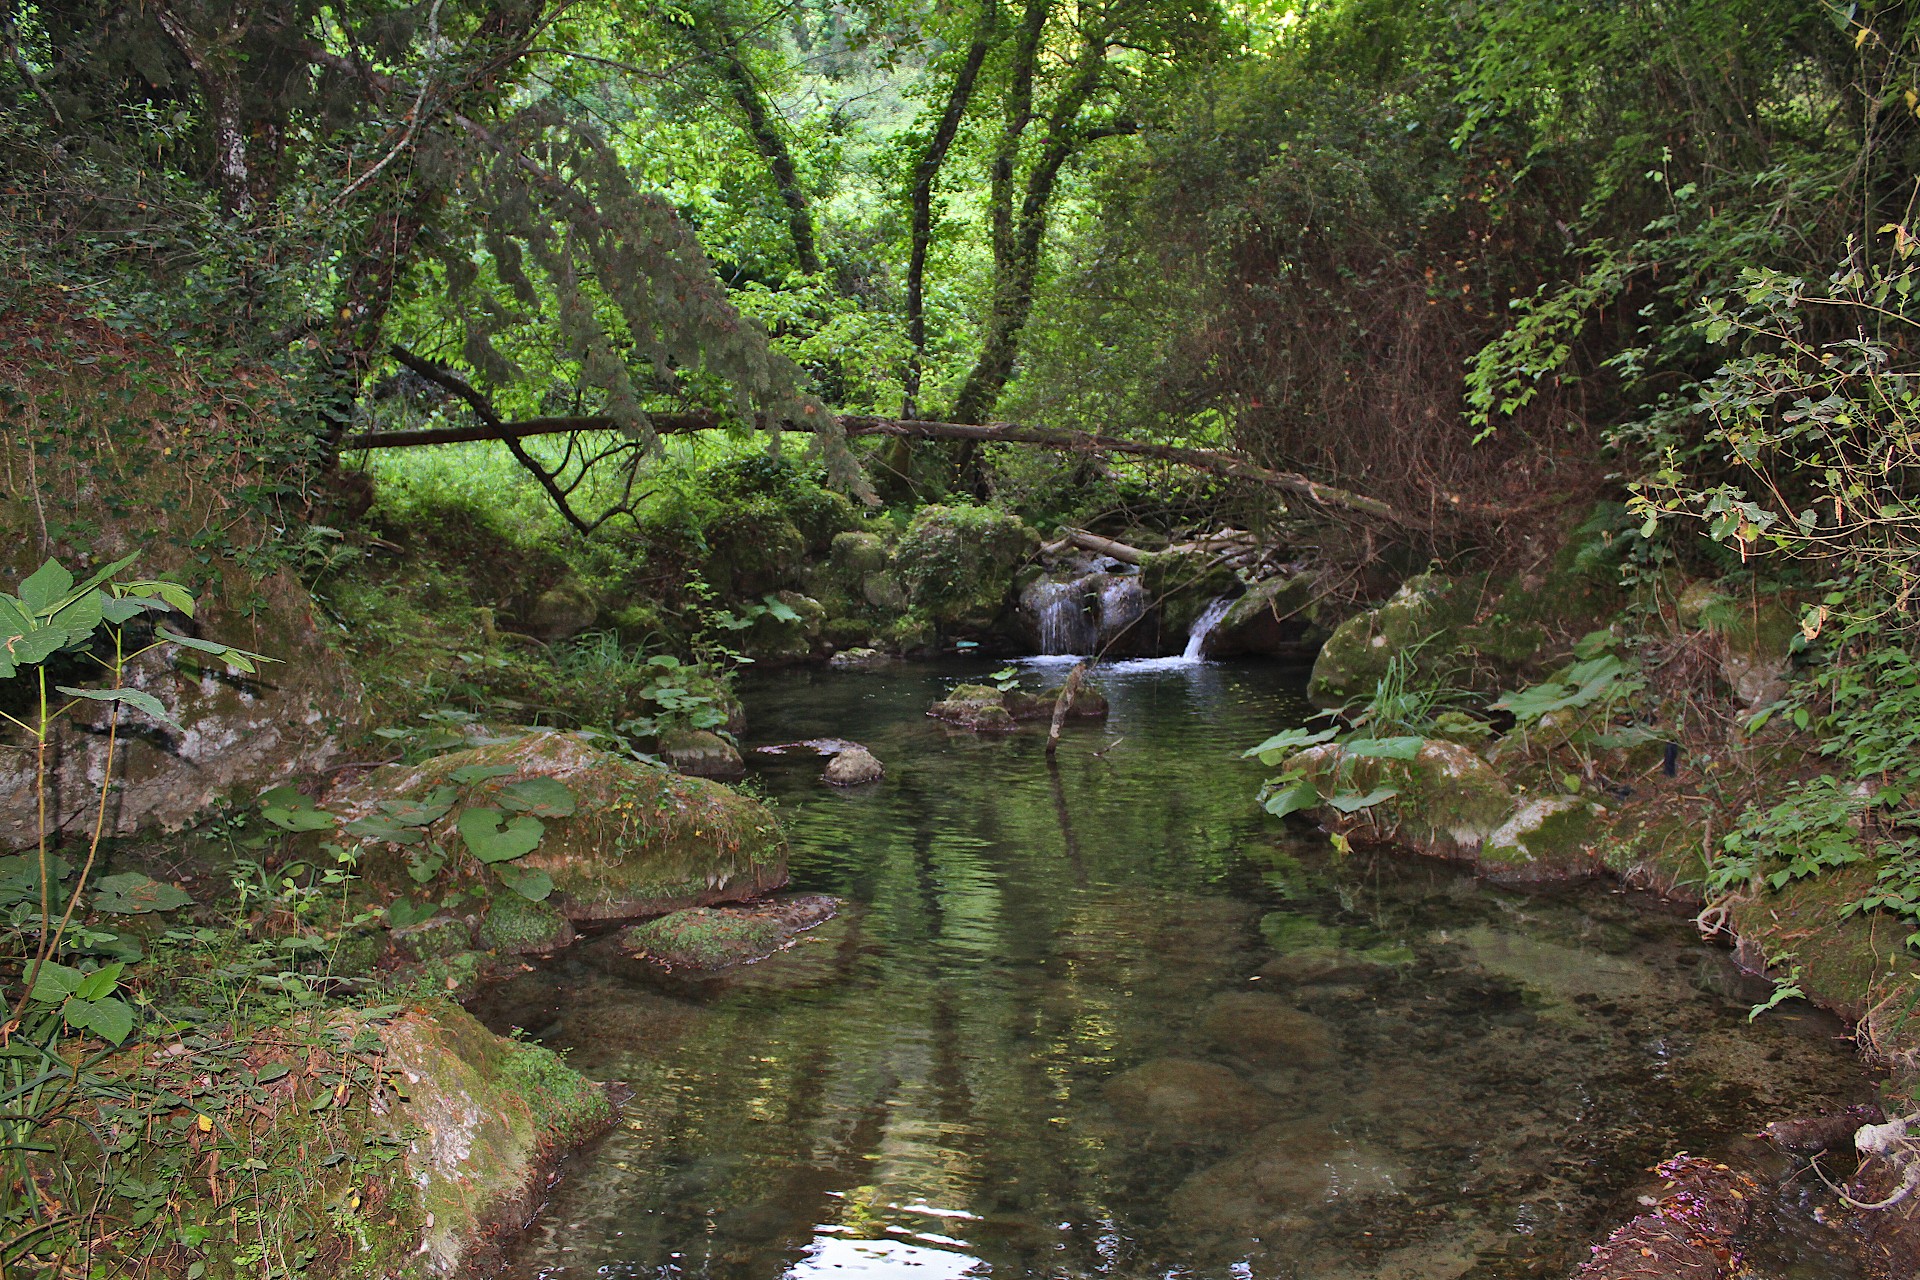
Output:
(853, 766)
(1266, 1028)
(1188, 1094)
(701, 754)
(1287, 1172)
(1312, 965)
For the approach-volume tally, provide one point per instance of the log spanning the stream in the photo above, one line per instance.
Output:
(1219, 462)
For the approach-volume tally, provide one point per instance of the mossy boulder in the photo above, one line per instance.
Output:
(701, 754)
(709, 938)
(1546, 838)
(484, 1118)
(754, 550)
(983, 707)
(1272, 619)
(1447, 801)
(974, 706)
(640, 841)
(562, 610)
(434, 938)
(516, 926)
(1418, 619)
(958, 564)
(855, 555)
(1182, 584)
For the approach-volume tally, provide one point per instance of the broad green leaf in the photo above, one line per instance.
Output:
(99, 577)
(1355, 803)
(417, 813)
(138, 699)
(1404, 748)
(467, 775)
(1291, 799)
(1285, 743)
(132, 894)
(239, 659)
(45, 587)
(80, 618)
(545, 797)
(56, 982)
(111, 1020)
(99, 984)
(528, 882)
(172, 593)
(488, 841)
(302, 818)
(407, 912)
(781, 610)
(425, 865)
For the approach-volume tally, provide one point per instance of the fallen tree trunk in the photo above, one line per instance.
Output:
(1101, 546)
(1218, 462)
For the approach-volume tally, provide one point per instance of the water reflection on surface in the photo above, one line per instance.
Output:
(1106, 1019)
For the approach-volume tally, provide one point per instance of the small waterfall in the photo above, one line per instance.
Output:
(1203, 627)
(1059, 609)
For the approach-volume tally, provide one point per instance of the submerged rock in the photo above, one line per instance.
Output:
(1323, 964)
(701, 754)
(639, 841)
(853, 767)
(1288, 1171)
(1265, 1028)
(1186, 1094)
(721, 937)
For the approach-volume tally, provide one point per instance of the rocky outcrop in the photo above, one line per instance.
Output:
(636, 841)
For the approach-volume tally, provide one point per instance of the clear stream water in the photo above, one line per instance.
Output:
(1038, 1040)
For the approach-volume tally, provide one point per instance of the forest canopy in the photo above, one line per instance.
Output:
(1441, 255)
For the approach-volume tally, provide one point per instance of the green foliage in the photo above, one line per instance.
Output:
(958, 561)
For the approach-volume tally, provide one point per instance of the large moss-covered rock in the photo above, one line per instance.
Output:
(958, 564)
(701, 754)
(1447, 801)
(640, 842)
(757, 548)
(1547, 838)
(982, 706)
(1418, 619)
(562, 610)
(483, 1118)
(515, 926)
(1182, 584)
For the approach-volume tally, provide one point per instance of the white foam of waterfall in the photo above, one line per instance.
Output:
(1203, 627)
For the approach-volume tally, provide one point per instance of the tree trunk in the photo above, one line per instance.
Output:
(924, 175)
(746, 94)
(220, 88)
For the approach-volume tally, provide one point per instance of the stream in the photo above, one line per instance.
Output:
(1109, 1019)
